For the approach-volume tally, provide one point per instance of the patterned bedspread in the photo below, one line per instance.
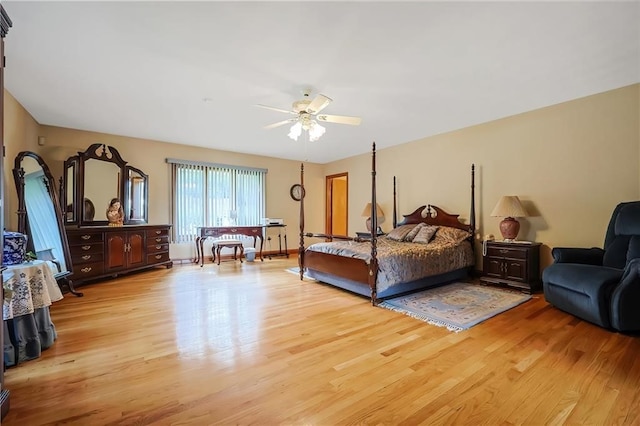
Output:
(400, 262)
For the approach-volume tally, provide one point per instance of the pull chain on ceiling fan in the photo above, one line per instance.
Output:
(307, 117)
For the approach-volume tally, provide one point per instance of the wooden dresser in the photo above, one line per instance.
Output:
(108, 251)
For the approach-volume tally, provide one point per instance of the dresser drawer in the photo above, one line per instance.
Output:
(510, 252)
(157, 258)
(155, 240)
(79, 250)
(88, 270)
(155, 248)
(84, 237)
(164, 232)
(81, 258)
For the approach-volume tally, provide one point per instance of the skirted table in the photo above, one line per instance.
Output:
(30, 288)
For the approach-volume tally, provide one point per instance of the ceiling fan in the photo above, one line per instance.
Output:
(306, 112)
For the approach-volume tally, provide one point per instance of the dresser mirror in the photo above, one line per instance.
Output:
(93, 178)
(39, 215)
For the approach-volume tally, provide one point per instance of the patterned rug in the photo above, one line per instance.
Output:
(296, 271)
(457, 306)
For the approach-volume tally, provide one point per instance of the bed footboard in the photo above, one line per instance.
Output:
(347, 267)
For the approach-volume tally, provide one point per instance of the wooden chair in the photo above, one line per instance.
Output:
(218, 245)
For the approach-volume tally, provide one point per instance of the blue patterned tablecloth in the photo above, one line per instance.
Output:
(32, 286)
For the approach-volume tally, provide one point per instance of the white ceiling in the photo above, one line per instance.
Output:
(410, 70)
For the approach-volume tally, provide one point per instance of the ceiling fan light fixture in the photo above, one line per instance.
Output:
(295, 131)
(315, 131)
(307, 111)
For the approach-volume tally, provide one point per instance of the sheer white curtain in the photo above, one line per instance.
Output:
(206, 194)
(43, 223)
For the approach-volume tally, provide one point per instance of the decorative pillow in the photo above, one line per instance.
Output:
(412, 234)
(425, 234)
(448, 234)
(399, 233)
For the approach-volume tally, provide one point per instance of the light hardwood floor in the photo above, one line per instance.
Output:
(251, 344)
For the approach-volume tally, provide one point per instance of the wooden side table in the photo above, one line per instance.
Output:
(515, 264)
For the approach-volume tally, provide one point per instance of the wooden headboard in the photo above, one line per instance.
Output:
(435, 216)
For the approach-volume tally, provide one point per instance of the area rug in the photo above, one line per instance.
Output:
(457, 306)
(295, 270)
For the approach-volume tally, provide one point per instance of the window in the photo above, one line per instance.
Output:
(205, 194)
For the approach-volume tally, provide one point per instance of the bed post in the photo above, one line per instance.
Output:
(301, 248)
(373, 265)
(395, 213)
(472, 214)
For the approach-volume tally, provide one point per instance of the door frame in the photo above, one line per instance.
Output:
(328, 225)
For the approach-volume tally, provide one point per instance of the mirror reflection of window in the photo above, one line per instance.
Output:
(70, 213)
(43, 225)
(137, 198)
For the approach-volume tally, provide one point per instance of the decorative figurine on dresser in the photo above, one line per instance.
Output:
(123, 241)
(115, 213)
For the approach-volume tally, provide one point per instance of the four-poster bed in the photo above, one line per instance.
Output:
(385, 266)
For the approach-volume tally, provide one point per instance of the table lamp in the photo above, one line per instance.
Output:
(367, 213)
(509, 207)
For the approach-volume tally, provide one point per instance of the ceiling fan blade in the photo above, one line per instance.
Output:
(318, 103)
(280, 123)
(276, 109)
(341, 119)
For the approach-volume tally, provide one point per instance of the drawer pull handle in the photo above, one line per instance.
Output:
(158, 247)
(233, 230)
(158, 256)
(86, 237)
(158, 232)
(85, 270)
(86, 247)
(158, 240)
(86, 257)
(503, 251)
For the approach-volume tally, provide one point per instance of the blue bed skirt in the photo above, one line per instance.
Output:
(395, 290)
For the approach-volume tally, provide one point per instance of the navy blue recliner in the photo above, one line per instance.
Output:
(601, 286)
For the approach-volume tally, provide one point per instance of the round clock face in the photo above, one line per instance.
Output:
(297, 192)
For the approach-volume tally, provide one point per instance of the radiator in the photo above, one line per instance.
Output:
(182, 251)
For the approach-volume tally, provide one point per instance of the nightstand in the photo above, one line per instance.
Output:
(514, 264)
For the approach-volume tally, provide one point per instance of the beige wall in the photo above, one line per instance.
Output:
(570, 164)
(149, 156)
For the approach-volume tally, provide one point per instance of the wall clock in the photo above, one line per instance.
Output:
(297, 192)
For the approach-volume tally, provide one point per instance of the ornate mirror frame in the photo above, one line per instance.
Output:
(92, 178)
(56, 223)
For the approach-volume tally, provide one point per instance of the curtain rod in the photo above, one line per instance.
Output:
(218, 165)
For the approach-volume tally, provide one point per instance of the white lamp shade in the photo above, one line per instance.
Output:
(509, 206)
(379, 213)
